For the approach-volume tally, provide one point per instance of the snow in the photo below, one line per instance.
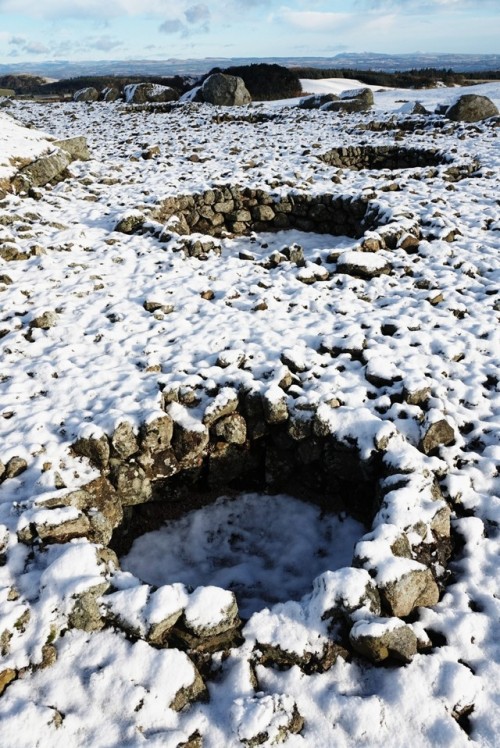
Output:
(106, 361)
(247, 545)
(19, 145)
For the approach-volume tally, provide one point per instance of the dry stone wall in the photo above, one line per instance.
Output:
(233, 210)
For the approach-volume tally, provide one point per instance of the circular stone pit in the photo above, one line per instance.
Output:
(340, 458)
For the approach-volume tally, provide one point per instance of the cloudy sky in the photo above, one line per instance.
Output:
(158, 29)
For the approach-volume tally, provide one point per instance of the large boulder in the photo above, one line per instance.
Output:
(225, 90)
(109, 94)
(50, 168)
(144, 93)
(356, 100)
(316, 101)
(86, 94)
(76, 147)
(471, 108)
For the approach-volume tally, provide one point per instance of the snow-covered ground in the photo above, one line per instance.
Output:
(432, 321)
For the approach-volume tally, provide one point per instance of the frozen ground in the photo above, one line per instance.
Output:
(432, 321)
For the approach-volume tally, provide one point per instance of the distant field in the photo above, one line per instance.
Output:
(7, 92)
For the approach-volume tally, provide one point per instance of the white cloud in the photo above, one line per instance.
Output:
(59, 9)
(418, 6)
(320, 22)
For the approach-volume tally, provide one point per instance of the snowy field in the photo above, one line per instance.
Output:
(431, 322)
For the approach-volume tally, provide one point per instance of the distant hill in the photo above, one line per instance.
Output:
(195, 67)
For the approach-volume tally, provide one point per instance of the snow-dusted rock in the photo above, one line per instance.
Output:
(413, 589)
(379, 639)
(77, 147)
(436, 432)
(471, 108)
(357, 100)
(86, 94)
(141, 93)
(265, 719)
(363, 264)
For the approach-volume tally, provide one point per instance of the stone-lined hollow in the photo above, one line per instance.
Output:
(315, 468)
(381, 157)
(236, 210)
(241, 211)
(241, 440)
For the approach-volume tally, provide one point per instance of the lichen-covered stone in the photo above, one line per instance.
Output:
(86, 613)
(96, 449)
(131, 483)
(232, 429)
(76, 147)
(124, 442)
(225, 90)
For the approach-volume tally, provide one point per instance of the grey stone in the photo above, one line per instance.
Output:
(124, 442)
(188, 694)
(316, 101)
(86, 94)
(109, 94)
(44, 321)
(399, 643)
(275, 406)
(437, 434)
(132, 484)
(225, 90)
(64, 531)
(156, 435)
(359, 100)
(142, 93)
(414, 589)
(86, 613)
(44, 170)
(471, 108)
(129, 224)
(232, 429)
(96, 449)
(14, 467)
(76, 147)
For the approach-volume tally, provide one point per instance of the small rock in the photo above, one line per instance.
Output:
(44, 321)
(274, 403)
(232, 429)
(414, 589)
(132, 484)
(124, 442)
(437, 434)
(6, 677)
(14, 467)
(381, 639)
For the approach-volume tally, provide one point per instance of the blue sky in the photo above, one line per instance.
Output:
(159, 29)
